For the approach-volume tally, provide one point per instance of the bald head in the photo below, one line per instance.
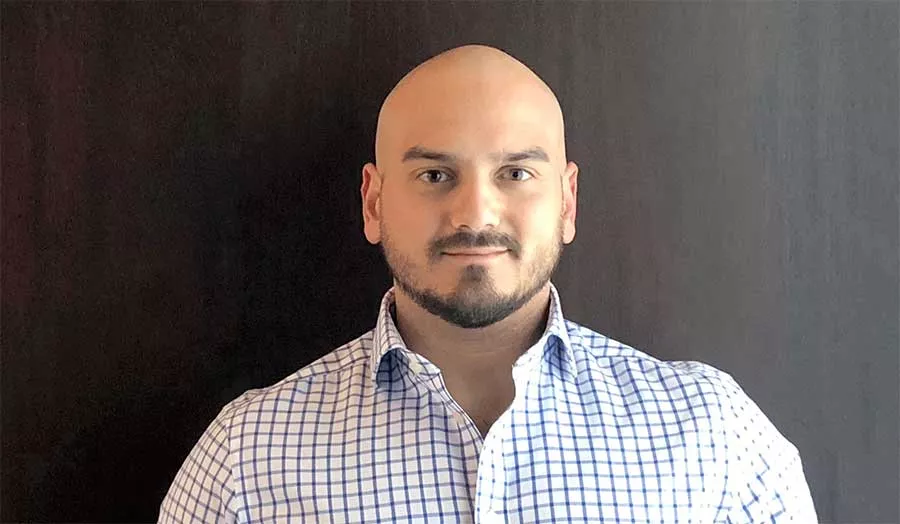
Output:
(470, 153)
(465, 87)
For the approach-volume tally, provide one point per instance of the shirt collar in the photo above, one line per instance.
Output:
(386, 336)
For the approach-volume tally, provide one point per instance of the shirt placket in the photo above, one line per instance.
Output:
(490, 504)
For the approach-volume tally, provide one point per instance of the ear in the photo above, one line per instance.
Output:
(371, 200)
(570, 201)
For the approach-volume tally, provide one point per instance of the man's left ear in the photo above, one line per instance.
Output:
(570, 201)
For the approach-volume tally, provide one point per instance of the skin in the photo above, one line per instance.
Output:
(472, 199)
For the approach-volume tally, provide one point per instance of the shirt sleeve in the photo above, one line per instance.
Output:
(202, 491)
(765, 480)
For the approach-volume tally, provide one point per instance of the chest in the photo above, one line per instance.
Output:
(422, 462)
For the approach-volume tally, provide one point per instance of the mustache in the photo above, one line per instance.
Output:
(464, 239)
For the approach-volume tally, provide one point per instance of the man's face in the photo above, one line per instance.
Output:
(470, 205)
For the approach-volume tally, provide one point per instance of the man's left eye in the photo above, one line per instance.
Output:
(518, 174)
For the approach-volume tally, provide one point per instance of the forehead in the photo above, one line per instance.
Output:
(472, 118)
(474, 136)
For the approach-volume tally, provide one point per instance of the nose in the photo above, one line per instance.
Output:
(475, 204)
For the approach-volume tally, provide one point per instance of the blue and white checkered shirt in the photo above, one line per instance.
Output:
(597, 432)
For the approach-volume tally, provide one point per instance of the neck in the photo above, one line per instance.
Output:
(476, 364)
(459, 350)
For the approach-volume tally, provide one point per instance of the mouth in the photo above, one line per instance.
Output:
(476, 251)
(475, 254)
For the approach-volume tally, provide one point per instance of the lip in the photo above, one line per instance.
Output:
(475, 255)
(476, 252)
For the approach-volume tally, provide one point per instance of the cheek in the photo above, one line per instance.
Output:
(538, 221)
(408, 224)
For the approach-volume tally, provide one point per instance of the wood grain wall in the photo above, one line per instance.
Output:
(181, 220)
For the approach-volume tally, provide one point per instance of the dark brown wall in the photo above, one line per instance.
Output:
(180, 216)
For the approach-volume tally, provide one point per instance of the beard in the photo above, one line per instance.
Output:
(476, 302)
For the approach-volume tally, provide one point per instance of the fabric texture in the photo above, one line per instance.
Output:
(597, 432)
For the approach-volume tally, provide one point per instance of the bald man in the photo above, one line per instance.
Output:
(473, 399)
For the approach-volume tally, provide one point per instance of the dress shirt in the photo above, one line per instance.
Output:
(597, 432)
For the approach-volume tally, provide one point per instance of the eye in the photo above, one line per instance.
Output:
(518, 174)
(434, 176)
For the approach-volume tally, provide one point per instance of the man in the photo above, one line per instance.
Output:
(473, 399)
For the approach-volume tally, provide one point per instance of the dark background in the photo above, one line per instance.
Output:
(181, 216)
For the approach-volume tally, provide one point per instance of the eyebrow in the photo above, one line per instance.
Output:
(532, 153)
(420, 153)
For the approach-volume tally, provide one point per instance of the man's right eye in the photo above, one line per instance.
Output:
(434, 176)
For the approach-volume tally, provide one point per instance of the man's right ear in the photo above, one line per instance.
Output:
(371, 200)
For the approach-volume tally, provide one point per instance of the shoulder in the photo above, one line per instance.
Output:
(694, 394)
(299, 393)
(640, 371)
(693, 389)
(763, 474)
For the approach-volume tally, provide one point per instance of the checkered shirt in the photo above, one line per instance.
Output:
(597, 432)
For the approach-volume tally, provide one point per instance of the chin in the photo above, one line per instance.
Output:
(480, 278)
